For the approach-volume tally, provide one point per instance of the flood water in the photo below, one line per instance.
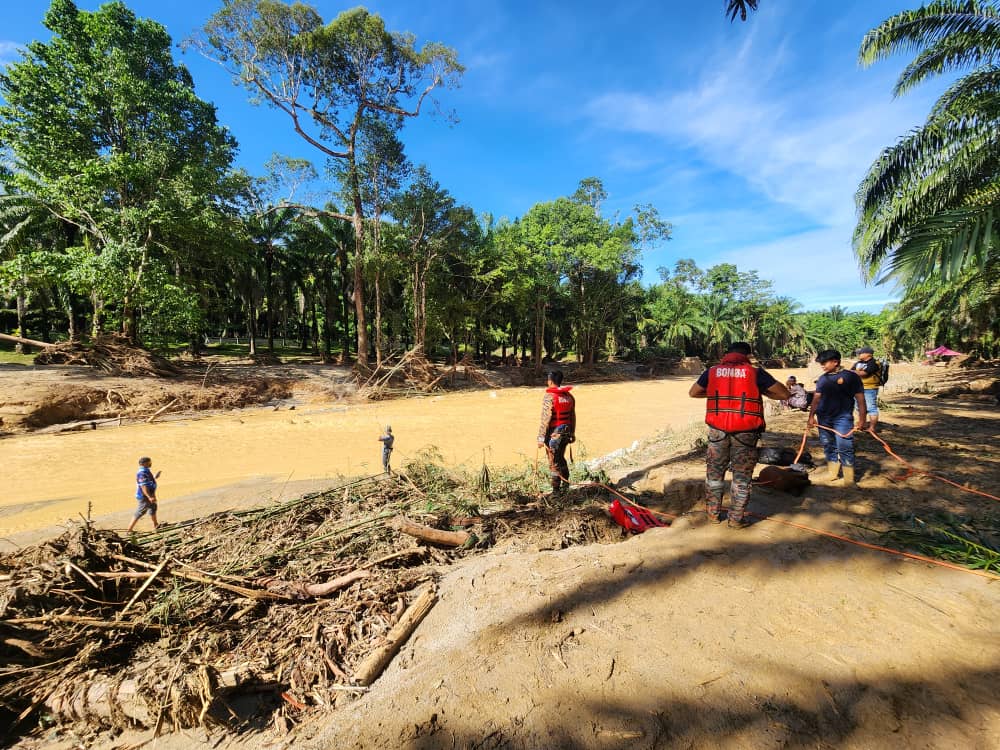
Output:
(49, 478)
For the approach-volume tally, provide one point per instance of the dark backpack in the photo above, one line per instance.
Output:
(884, 375)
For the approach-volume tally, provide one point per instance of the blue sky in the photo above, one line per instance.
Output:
(750, 138)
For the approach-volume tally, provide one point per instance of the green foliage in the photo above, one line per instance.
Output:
(949, 538)
(109, 137)
(930, 205)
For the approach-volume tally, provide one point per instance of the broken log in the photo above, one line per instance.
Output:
(92, 424)
(108, 698)
(375, 663)
(22, 340)
(434, 536)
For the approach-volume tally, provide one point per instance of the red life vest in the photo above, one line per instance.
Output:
(562, 405)
(633, 518)
(734, 400)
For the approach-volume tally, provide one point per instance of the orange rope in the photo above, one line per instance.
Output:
(879, 548)
(911, 469)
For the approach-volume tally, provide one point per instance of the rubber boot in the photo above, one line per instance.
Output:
(833, 469)
(849, 477)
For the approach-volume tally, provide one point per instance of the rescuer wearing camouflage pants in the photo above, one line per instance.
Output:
(734, 413)
(741, 448)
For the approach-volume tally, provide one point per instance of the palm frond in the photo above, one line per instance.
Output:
(740, 8)
(975, 95)
(946, 35)
(952, 166)
(947, 243)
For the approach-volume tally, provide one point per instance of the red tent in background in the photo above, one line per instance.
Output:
(943, 351)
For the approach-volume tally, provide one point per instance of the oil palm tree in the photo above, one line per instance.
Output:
(930, 205)
(740, 8)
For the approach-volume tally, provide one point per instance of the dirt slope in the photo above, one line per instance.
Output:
(693, 636)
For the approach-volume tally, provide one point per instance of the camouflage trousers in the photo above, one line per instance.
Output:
(738, 449)
(555, 446)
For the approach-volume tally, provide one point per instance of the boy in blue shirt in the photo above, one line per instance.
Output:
(145, 493)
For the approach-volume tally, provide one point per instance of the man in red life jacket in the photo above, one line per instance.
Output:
(735, 417)
(558, 427)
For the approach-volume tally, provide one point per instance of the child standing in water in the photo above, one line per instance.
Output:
(145, 492)
(387, 440)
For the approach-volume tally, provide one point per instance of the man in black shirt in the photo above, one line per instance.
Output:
(838, 392)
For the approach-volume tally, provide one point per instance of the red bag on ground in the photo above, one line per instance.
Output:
(633, 519)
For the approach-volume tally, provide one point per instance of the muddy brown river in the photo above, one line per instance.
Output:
(210, 461)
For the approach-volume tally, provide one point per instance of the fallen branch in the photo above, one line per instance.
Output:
(142, 588)
(375, 663)
(160, 411)
(81, 425)
(300, 590)
(434, 536)
(22, 340)
(92, 622)
(242, 590)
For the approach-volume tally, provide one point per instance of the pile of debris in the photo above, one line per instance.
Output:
(413, 374)
(110, 353)
(300, 605)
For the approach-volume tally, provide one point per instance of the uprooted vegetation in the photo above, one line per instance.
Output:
(252, 617)
(110, 353)
(79, 406)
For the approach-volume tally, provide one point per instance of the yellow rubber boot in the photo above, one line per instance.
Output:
(849, 477)
(833, 469)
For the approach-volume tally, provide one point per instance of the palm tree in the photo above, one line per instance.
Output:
(269, 230)
(721, 322)
(781, 328)
(930, 205)
(740, 8)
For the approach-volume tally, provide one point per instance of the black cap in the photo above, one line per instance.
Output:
(866, 350)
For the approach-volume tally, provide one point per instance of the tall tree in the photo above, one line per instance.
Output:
(328, 78)
(113, 140)
(432, 223)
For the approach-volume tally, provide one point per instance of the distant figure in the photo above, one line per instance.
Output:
(870, 371)
(838, 391)
(387, 440)
(145, 493)
(799, 398)
(735, 417)
(558, 427)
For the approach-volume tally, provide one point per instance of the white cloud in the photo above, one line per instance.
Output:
(9, 51)
(799, 145)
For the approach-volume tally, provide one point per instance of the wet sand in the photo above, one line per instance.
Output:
(210, 463)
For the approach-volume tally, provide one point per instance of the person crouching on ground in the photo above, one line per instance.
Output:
(387, 440)
(735, 418)
(145, 493)
(870, 371)
(558, 427)
(838, 391)
(798, 399)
